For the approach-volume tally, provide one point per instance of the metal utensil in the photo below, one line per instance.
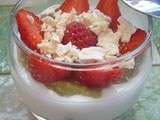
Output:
(149, 7)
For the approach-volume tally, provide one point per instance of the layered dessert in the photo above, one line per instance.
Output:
(73, 34)
(76, 54)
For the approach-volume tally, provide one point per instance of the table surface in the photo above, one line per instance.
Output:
(146, 108)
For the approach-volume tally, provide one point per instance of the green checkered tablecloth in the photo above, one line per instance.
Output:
(146, 108)
(4, 38)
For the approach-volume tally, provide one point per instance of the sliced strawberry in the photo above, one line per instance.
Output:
(79, 5)
(136, 40)
(45, 72)
(79, 35)
(29, 26)
(110, 8)
(98, 78)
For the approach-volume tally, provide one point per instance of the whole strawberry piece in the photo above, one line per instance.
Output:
(79, 35)
(29, 26)
(45, 72)
(79, 5)
(136, 40)
(98, 78)
(111, 9)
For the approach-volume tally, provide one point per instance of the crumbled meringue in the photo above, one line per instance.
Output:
(64, 59)
(110, 42)
(48, 24)
(51, 36)
(92, 53)
(107, 49)
(67, 50)
(47, 47)
(126, 29)
(96, 21)
(55, 24)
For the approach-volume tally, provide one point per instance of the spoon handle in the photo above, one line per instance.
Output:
(148, 7)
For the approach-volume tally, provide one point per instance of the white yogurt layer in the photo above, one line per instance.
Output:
(107, 48)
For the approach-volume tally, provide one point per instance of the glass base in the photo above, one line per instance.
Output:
(38, 117)
(121, 117)
(41, 118)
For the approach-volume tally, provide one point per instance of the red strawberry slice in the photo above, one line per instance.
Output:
(98, 78)
(45, 72)
(79, 5)
(136, 40)
(29, 26)
(79, 35)
(110, 8)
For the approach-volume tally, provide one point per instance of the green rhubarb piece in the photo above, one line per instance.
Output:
(23, 58)
(65, 88)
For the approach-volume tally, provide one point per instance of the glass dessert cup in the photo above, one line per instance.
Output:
(115, 99)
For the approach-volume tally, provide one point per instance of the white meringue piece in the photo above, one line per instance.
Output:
(96, 21)
(126, 29)
(96, 53)
(110, 42)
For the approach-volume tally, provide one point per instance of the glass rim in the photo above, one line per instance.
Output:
(27, 50)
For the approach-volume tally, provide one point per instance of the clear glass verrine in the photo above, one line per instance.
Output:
(116, 99)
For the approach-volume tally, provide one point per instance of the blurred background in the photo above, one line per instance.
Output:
(147, 107)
